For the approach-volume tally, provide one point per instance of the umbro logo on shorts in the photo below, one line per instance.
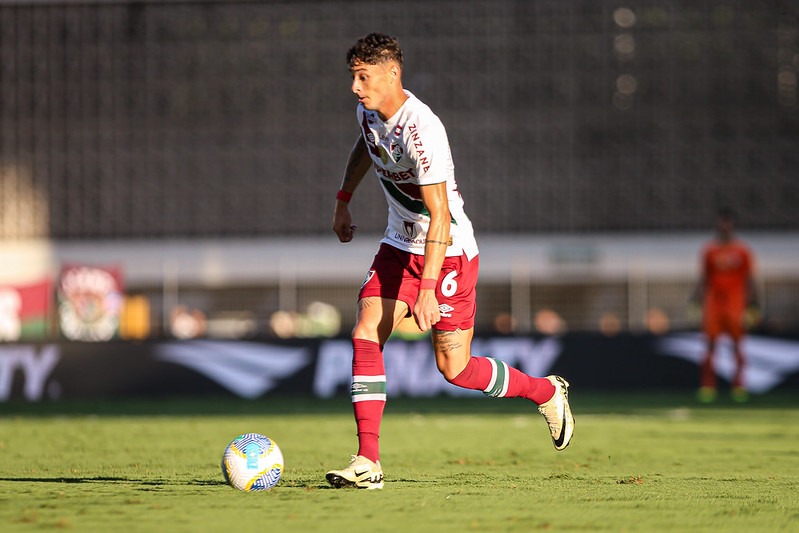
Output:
(445, 310)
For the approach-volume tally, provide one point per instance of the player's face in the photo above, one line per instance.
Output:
(372, 84)
(725, 226)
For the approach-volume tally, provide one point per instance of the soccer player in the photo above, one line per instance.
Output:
(427, 262)
(726, 288)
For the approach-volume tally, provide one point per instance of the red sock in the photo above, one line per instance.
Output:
(707, 373)
(368, 395)
(495, 378)
(740, 362)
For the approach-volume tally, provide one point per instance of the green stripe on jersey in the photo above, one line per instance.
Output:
(414, 206)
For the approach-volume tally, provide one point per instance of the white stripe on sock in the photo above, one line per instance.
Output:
(369, 379)
(493, 375)
(369, 397)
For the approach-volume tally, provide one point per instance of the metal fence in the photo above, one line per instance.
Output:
(523, 306)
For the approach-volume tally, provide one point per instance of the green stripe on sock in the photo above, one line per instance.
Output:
(500, 369)
(368, 387)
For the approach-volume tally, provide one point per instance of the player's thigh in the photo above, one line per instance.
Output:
(456, 293)
(452, 350)
(712, 322)
(377, 317)
(734, 325)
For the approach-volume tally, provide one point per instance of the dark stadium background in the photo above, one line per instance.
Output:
(199, 144)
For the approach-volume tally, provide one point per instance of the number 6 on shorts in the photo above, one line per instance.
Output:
(448, 285)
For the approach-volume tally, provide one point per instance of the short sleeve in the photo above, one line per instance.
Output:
(428, 149)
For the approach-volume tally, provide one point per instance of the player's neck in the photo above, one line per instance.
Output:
(392, 105)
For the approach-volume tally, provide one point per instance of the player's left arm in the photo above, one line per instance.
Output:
(752, 313)
(751, 285)
(434, 196)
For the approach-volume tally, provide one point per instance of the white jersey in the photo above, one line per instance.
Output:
(408, 150)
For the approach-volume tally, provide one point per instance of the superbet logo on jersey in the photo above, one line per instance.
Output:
(405, 175)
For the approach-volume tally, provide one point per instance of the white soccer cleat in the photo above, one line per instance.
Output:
(558, 414)
(361, 473)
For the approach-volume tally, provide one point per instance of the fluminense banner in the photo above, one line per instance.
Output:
(89, 302)
(321, 368)
(24, 311)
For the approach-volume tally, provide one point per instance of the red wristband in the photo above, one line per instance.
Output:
(344, 196)
(428, 283)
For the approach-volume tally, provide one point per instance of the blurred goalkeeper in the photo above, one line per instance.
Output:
(728, 297)
(427, 262)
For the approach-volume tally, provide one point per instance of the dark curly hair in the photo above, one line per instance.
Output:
(373, 49)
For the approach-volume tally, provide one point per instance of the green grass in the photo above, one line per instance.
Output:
(637, 463)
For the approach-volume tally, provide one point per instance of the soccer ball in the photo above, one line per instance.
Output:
(252, 462)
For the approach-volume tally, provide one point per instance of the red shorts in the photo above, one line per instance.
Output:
(718, 320)
(396, 275)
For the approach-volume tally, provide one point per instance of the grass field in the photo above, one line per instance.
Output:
(637, 463)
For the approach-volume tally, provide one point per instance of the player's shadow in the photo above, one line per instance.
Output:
(110, 479)
(150, 485)
(61, 479)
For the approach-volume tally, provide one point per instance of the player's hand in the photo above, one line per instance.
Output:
(694, 311)
(342, 223)
(426, 312)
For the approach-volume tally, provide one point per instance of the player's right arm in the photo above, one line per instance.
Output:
(752, 314)
(358, 164)
(751, 286)
(696, 302)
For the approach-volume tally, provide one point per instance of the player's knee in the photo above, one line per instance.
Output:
(450, 369)
(449, 375)
(366, 329)
(361, 332)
